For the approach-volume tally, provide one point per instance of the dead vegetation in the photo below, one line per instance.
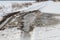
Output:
(19, 6)
(45, 20)
(40, 20)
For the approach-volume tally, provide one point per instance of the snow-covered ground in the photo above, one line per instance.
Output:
(6, 6)
(10, 34)
(39, 33)
(46, 33)
(46, 7)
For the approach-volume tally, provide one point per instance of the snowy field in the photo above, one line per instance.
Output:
(39, 33)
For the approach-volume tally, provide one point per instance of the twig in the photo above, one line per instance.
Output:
(5, 22)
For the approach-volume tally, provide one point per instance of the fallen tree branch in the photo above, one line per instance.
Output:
(7, 17)
(5, 22)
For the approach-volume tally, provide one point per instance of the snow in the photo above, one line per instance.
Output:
(46, 33)
(10, 34)
(6, 6)
(45, 7)
(51, 7)
(39, 33)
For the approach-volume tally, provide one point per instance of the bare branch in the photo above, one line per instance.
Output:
(7, 17)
